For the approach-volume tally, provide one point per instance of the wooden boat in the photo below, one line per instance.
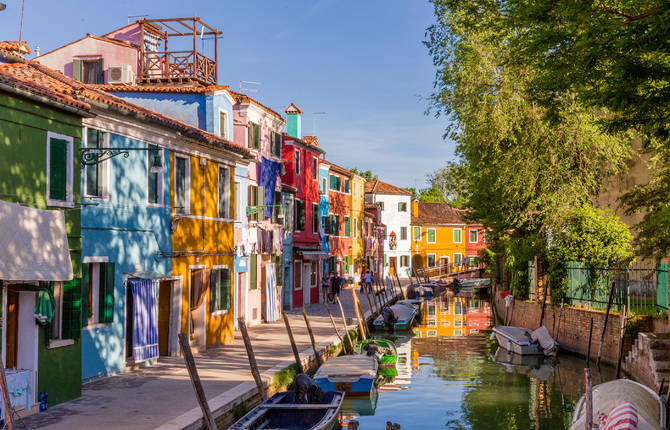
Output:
(353, 374)
(651, 414)
(404, 314)
(522, 341)
(279, 412)
(386, 354)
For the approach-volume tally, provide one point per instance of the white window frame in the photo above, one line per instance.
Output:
(295, 216)
(428, 235)
(224, 133)
(406, 232)
(69, 188)
(187, 186)
(315, 168)
(103, 166)
(238, 200)
(226, 191)
(470, 236)
(159, 185)
(434, 260)
(454, 235)
(414, 239)
(460, 259)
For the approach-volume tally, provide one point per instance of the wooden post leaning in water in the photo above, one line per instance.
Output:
(346, 329)
(332, 321)
(195, 381)
(558, 326)
(588, 346)
(365, 321)
(361, 330)
(544, 302)
(589, 399)
(367, 296)
(294, 347)
(319, 362)
(252, 358)
(607, 314)
(7, 406)
(375, 295)
(622, 333)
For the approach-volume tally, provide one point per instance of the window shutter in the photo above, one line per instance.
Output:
(257, 136)
(252, 272)
(106, 293)
(224, 291)
(261, 201)
(100, 69)
(85, 287)
(77, 66)
(57, 169)
(250, 135)
(347, 227)
(278, 269)
(48, 332)
(213, 293)
(71, 310)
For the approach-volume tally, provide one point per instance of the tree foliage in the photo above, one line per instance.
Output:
(367, 174)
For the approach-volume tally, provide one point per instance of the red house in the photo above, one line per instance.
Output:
(301, 170)
(474, 242)
(339, 231)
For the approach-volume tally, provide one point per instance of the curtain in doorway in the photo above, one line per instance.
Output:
(270, 293)
(145, 319)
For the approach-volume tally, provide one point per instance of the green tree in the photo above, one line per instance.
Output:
(367, 174)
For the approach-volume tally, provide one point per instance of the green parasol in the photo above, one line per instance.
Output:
(44, 308)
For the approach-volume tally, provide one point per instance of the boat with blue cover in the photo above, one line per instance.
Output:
(355, 375)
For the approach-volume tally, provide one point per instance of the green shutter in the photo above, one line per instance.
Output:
(85, 286)
(213, 290)
(71, 310)
(252, 272)
(302, 216)
(278, 269)
(260, 198)
(100, 71)
(347, 227)
(257, 136)
(224, 291)
(106, 293)
(57, 169)
(250, 135)
(77, 66)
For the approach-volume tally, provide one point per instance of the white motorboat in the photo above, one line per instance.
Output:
(522, 341)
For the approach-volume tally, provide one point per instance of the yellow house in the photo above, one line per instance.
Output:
(203, 209)
(357, 216)
(438, 236)
(444, 316)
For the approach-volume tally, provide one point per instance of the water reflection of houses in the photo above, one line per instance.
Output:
(450, 315)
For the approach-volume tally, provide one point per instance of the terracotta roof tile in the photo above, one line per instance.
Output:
(19, 47)
(292, 108)
(438, 213)
(185, 89)
(380, 187)
(26, 85)
(41, 75)
(339, 169)
(243, 98)
(312, 140)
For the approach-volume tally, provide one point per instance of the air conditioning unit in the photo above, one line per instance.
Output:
(122, 74)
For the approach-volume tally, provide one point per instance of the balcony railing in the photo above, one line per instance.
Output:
(178, 65)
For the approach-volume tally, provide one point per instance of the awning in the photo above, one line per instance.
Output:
(33, 244)
(146, 274)
(313, 255)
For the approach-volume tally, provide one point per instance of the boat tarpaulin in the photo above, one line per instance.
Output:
(270, 293)
(33, 244)
(145, 319)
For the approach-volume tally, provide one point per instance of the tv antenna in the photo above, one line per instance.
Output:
(314, 114)
(254, 88)
(136, 16)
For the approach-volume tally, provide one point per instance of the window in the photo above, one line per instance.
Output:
(315, 168)
(154, 176)
(402, 207)
(297, 276)
(458, 308)
(59, 170)
(404, 261)
(417, 234)
(472, 261)
(431, 260)
(67, 319)
(297, 161)
(276, 144)
(346, 186)
(88, 71)
(355, 229)
(473, 236)
(223, 124)
(254, 131)
(324, 185)
(458, 260)
(431, 235)
(315, 218)
(458, 322)
(313, 274)
(457, 235)
(219, 290)
(256, 198)
(182, 190)
(403, 233)
(238, 201)
(95, 173)
(335, 182)
(347, 226)
(346, 264)
(224, 193)
(276, 210)
(336, 225)
(253, 271)
(299, 215)
(381, 204)
(97, 293)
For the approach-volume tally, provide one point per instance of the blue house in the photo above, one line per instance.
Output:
(324, 208)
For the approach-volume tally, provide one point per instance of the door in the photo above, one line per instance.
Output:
(241, 293)
(164, 305)
(199, 288)
(444, 265)
(306, 284)
(12, 327)
(393, 261)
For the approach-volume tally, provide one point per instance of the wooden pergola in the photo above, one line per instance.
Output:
(179, 65)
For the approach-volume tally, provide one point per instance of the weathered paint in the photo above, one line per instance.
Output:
(23, 136)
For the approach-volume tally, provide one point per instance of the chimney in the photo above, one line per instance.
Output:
(415, 207)
(293, 121)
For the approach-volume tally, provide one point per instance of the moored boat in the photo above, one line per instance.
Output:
(281, 412)
(397, 317)
(353, 374)
(619, 403)
(538, 366)
(522, 341)
(383, 349)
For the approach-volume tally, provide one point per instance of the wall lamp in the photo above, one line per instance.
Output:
(92, 156)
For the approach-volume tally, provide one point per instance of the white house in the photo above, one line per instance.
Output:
(396, 215)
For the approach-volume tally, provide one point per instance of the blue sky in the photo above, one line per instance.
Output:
(361, 62)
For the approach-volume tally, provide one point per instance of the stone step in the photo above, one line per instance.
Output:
(661, 354)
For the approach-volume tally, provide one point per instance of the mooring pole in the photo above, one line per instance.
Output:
(375, 295)
(589, 399)
(252, 358)
(296, 354)
(361, 330)
(558, 326)
(332, 321)
(319, 362)
(346, 329)
(367, 296)
(544, 302)
(622, 333)
(607, 314)
(588, 346)
(195, 381)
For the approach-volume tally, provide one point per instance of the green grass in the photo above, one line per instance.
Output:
(284, 377)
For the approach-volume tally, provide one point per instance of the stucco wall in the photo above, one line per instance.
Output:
(444, 245)
(393, 221)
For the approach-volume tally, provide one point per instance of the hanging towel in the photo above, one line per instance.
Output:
(270, 293)
(145, 319)
(44, 307)
(269, 169)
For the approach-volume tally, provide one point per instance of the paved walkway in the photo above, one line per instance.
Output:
(162, 394)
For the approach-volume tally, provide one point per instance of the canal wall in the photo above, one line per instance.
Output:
(573, 333)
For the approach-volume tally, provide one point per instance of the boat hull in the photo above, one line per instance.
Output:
(514, 342)
(361, 387)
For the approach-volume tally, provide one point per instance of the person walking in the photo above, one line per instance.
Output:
(336, 284)
(368, 280)
(325, 288)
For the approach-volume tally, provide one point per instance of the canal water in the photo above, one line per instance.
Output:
(451, 376)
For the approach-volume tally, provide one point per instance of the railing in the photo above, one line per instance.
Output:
(425, 273)
(178, 64)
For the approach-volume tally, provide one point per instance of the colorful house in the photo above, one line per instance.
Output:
(339, 225)
(475, 236)
(357, 215)
(40, 243)
(301, 171)
(437, 236)
(478, 317)
(259, 128)
(395, 208)
(324, 212)
(375, 232)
